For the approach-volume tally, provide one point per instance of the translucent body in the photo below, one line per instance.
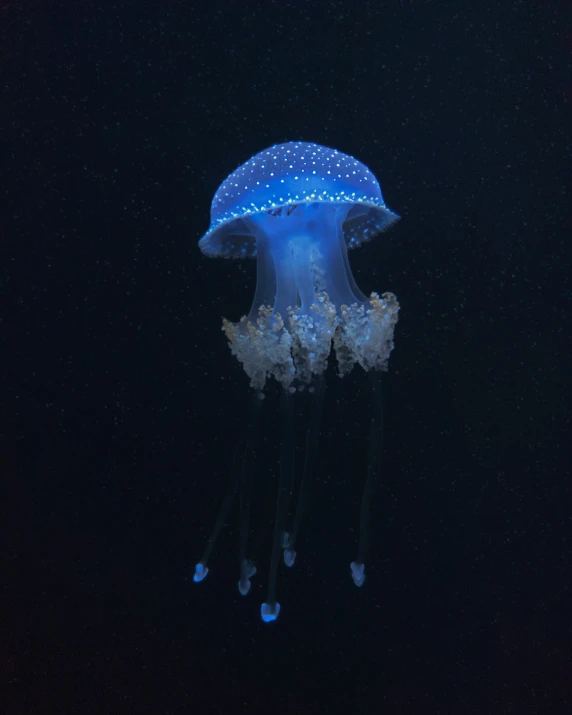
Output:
(297, 208)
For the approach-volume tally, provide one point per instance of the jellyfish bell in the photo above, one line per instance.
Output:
(297, 208)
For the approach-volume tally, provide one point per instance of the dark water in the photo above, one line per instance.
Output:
(122, 406)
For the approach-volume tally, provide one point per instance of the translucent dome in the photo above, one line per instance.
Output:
(291, 174)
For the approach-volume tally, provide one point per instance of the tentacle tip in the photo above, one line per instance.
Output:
(201, 572)
(289, 557)
(244, 586)
(269, 612)
(358, 573)
(247, 570)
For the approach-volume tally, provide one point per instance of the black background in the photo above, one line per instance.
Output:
(122, 406)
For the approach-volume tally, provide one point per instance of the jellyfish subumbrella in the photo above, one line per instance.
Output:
(297, 208)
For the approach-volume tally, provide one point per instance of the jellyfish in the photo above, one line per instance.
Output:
(297, 208)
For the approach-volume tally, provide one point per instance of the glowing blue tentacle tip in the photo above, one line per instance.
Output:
(201, 572)
(358, 573)
(247, 570)
(244, 586)
(289, 557)
(269, 612)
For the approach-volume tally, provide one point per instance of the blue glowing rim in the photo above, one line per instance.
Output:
(229, 236)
